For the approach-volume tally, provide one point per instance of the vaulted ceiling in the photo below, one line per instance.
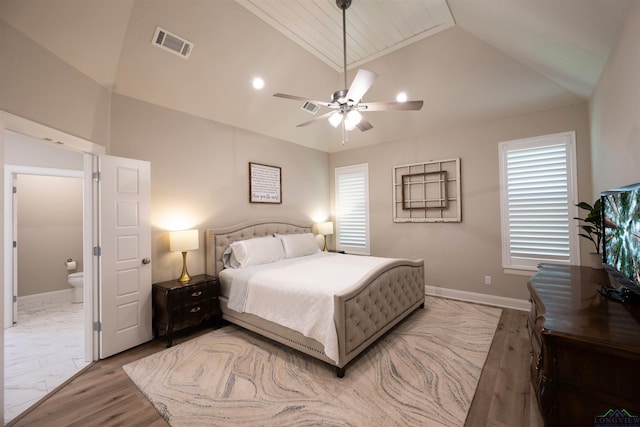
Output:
(469, 60)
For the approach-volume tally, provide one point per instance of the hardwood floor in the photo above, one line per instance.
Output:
(504, 396)
(103, 395)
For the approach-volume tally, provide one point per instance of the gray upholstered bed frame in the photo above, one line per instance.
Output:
(363, 313)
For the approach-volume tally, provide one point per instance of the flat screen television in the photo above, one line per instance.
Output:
(621, 243)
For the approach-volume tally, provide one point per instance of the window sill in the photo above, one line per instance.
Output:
(520, 272)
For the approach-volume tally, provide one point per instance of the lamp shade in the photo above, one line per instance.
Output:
(325, 228)
(182, 241)
(335, 119)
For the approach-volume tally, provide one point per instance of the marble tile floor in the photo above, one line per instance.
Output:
(43, 350)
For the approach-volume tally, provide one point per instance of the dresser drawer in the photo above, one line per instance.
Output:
(536, 359)
(188, 313)
(534, 324)
(194, 294)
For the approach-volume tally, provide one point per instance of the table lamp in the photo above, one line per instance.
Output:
(325, 229)
(183, 241)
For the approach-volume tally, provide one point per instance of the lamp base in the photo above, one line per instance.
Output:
(325, 244)
(184, 277)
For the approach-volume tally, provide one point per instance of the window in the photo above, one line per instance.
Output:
(352, 209)
(538, 197)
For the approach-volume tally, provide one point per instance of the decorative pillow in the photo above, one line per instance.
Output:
(296, 245)
(256, 251)
(229, 260)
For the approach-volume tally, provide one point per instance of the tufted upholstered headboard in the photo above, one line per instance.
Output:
(219, 239)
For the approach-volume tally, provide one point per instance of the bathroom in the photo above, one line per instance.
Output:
(45, 345)
(49, 231)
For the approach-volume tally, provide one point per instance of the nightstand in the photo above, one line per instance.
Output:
(177, 305)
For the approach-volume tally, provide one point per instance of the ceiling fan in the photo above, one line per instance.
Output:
(346, 103)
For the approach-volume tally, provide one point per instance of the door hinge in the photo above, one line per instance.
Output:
(15, 244)
(97, 326)
(15, 298)
(15, 189)
(97, 176)
(97, 251)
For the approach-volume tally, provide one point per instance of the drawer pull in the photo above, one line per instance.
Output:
(196, 294)
(195, 310)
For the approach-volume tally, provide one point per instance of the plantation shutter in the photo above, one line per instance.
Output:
(538, 198)
(352, 209)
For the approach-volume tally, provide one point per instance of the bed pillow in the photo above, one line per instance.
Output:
(296, 245)
(229, 260)
(256, 251)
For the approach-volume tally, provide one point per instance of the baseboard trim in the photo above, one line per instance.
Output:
(53, 296)
(516, 304)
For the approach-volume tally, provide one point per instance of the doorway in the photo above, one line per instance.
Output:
(45, 346)
(44, 340)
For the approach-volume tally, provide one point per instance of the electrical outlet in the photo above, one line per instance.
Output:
(487, 280)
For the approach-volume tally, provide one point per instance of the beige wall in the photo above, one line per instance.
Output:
(615, 112)
(49, 231)
(459, 255)
(37, 85)
(199, 167)
(199, 175)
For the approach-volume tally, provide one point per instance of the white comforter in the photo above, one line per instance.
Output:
(298, 293)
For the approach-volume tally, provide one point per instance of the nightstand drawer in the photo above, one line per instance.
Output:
(197, 310)
(194, 294)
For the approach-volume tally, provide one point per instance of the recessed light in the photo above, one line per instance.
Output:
(258, 83)
(401, 97)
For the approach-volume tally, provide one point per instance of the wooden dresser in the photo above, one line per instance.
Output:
(585, 348)
(177, 305)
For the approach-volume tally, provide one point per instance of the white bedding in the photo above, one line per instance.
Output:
(298, 292)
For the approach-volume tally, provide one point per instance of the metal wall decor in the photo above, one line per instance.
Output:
(265, 183)
(427, 192)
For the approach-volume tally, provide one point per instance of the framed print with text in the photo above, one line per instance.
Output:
(265, 183)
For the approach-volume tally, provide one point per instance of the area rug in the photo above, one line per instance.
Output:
(424, 372)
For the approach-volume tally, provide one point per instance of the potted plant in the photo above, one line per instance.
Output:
(592, 227)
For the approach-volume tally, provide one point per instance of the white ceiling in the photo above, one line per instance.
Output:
(502, 57)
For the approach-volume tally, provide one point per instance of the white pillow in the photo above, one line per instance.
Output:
(256, 251)
(296, 245)
(229, 260)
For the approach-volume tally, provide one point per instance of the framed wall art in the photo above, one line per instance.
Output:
(265, 183)
(427, 192)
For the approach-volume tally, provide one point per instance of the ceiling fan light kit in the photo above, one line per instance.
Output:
(335, 119)
(346, 102)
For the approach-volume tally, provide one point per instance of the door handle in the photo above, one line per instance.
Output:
(146, 261)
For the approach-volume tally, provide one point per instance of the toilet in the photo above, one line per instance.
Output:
(76, 280)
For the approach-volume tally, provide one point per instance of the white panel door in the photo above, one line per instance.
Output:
(125, 242)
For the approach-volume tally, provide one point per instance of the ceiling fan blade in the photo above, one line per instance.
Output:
(390, 106)
(361, 84)
(299, 98)
(315, 119)
(364, 125)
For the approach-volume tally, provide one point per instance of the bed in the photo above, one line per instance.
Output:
(361, 312)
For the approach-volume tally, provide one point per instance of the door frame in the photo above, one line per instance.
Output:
(11, 122)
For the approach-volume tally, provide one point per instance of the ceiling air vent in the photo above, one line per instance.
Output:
(171, 42)
(310, 107)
